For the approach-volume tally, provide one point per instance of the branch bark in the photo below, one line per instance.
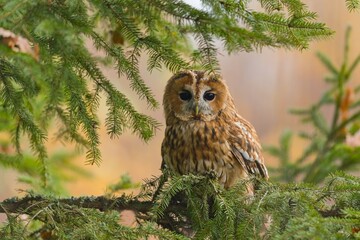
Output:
(102, 203)
(30, 203)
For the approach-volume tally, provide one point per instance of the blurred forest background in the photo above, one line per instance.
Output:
(265, 85)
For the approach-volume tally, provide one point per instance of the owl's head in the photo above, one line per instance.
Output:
(195, 95)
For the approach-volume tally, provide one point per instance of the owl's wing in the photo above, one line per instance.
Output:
(246, 149)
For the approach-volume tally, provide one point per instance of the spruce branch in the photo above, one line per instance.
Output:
(14, 101)
(211, 213)
(29, 204)
(328, 149)
(65, 71)
(60, 78)
(335, 129)
(102, 203)
(352, 5)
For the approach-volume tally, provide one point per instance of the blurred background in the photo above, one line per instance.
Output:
(265, 85)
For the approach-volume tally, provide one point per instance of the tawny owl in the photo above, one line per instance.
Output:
(204, 132)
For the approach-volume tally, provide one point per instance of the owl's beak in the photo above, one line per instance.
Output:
(196, 110)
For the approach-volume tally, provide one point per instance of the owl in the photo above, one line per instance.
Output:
(204, 133)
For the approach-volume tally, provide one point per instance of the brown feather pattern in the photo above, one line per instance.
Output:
(217, 139)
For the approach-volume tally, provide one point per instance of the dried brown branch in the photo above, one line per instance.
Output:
(30, 204)
(102, 203)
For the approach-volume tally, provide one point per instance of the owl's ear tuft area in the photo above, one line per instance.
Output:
(180, 75)
(198, 75)
(213, 77)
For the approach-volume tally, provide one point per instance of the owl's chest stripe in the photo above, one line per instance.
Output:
(190, 150)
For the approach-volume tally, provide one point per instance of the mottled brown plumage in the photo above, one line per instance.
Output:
(205, 133)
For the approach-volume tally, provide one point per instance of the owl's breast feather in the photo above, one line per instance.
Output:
(199, 147)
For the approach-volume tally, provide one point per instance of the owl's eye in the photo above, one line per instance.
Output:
(209, 96)
(185, 95)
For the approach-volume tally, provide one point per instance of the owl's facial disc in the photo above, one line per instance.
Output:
(203, 109)
(193, 95)
(188, 102)
(197, 106)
